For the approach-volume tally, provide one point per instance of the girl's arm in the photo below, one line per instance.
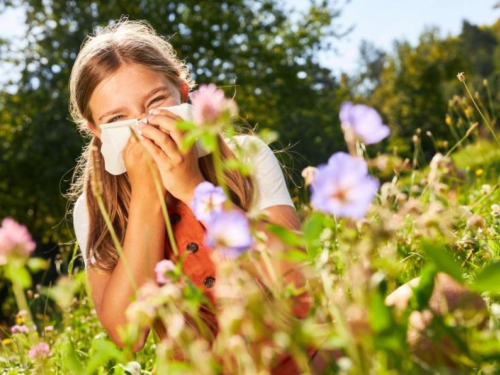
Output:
(143, 248)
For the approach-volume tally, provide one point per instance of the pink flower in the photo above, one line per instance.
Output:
(39, 350)
(210, 104)
(14, 238)
(19, 329)
(161, 268)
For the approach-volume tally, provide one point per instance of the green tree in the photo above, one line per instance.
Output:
(251, 48)
(413, 89)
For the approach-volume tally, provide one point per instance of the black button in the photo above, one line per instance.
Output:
(192, 247)
(175, 218)
(209, 281)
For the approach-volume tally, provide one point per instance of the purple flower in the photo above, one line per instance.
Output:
(19, 329)
(229, 233)
(161, 268)
(209, 104)
(39, 350)
(364, 122)
(207, 201)
(14, 238)
(343, 187)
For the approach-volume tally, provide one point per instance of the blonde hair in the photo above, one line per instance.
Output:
(101, 55)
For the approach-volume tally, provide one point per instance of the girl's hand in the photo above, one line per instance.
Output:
(139, 173)
(179, 170)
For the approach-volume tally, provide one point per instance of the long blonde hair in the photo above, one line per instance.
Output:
(102, 55)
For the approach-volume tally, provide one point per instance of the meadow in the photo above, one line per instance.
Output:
(369, 225)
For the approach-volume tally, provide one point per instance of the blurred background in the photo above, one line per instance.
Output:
(289, 65)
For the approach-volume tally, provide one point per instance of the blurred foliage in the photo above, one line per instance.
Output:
(412, 85)
(253, 49)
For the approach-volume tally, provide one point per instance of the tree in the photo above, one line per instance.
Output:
(413, 89)
(251, 48)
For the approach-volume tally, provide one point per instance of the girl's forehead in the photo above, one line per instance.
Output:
(131, 82)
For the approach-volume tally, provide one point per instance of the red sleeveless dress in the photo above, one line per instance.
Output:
(189, 234)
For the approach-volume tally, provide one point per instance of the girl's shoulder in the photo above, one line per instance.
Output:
(271, 188)
(249, 146)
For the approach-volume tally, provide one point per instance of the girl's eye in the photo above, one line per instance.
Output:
(117, 118)
(157, 99)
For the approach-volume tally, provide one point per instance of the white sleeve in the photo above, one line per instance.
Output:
(271, 186)
(81, 225)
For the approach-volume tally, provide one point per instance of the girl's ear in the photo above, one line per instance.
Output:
(184, 92)
(94, 129)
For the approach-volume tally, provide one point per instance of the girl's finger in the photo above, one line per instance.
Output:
(158, 155)
(167, 124)
(164, 141)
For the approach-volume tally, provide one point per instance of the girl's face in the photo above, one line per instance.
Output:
(130, 93)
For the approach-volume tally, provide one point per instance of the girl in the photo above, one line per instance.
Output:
(127, 71)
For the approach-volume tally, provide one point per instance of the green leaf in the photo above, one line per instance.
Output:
(208, 141)
(443, 260)
(295, 256)
(37, 264)
(188, 140)
(103, 352)
(19, 275)
(312, 228)
(380, 314)
(423, 291)
(71, 361)
(186, 125)
(488, 279)
(285, 235)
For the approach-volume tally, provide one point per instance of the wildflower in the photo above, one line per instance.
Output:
(495, 210)
(210, 104)
(448, 120)
(19, 329)
(140, 313)
(308, 173)
(7, 341)
(475, 221)
(176, 323)
(461, 76)
(49, 328)
(39, 350)
(162, 268)
(486, 189)
(479, 172)
(14, 239)
(364, 121)
(207, 201)
(229, 232)
(343, 187)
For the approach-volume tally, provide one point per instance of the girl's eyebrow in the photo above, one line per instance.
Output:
(120, 109)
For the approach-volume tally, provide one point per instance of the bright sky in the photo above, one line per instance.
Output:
(383, 21)
(378, 21)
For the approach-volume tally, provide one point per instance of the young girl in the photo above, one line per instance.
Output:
(127, 71)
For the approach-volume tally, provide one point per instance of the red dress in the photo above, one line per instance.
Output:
(199, 267)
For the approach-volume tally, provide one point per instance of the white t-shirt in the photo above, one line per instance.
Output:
(270, 186)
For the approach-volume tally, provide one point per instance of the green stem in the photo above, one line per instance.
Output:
(116, 242)
(163, 204)
(22, 304)
(481, 113)
(489, 100)
(219, 168)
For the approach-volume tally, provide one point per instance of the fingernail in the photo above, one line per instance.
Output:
(141, 125)
(154, 111)
(139, 135)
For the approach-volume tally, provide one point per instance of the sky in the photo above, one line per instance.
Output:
(378, 21)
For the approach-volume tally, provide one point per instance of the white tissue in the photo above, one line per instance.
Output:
(115, 135)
